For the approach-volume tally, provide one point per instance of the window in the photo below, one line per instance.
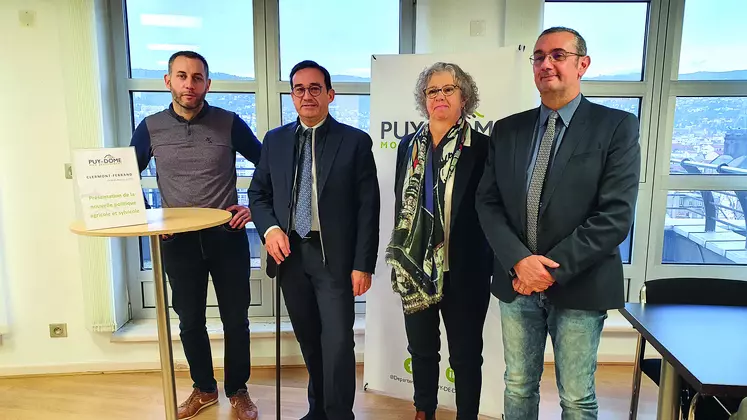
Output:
(698, 192)
(228, 33)
(705, 227)
(352, 110)
(142, 290)
(349, 31)
(148, 103)
(615, 34)
(255, 244)
(709, 136)
(152, 32)
(713, 40)
(243, 104)
(157, 29)
(631, 105)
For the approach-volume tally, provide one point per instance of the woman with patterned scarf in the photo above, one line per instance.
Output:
(441, 260)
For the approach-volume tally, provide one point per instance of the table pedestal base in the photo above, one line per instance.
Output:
(668, 407)
(164, 331)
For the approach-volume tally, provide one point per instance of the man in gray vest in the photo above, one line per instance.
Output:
(194, 145)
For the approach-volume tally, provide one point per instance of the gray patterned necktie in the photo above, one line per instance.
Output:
(538, 179)
(302, 215)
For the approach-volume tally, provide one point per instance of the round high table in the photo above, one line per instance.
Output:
(163, 221)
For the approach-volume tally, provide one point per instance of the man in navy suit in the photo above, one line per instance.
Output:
(315, 196)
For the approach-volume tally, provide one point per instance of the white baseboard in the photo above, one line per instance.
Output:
(617, 347)
(180, 365)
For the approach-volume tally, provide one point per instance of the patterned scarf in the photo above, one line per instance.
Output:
(416, 250)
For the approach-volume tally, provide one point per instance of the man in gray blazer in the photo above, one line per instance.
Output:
(556, 199)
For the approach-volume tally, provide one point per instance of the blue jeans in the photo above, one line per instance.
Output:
(575, 338)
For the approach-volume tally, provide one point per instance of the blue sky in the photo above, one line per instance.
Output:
(342, 34)
(713, 36)
(614, 33)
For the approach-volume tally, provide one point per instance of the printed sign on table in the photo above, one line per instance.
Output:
(109, 187)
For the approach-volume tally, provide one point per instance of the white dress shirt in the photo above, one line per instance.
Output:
(314, 201)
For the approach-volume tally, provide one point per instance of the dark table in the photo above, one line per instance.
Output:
(705, 345)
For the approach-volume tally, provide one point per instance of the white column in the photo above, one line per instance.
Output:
(448, 26)
(523, 22)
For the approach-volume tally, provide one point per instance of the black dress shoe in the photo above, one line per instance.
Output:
(312, 416)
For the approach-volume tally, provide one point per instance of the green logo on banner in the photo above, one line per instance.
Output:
(408, 365)
(450, 374)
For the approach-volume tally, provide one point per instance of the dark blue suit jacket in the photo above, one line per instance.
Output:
(347, 188)
(588, 202)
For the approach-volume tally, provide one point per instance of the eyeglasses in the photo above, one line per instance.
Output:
(448, 90)
(555, 55)
(314, 90)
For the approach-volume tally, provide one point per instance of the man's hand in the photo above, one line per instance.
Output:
(361, 282)
(241, 218)
(532, 276)
(277, 245)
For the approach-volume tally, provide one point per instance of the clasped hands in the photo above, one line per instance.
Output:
(532, 275)
(278, 246)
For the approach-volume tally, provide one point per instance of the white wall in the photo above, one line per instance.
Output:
(476, 25)
(42, 256)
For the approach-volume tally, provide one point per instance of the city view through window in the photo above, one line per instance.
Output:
(708, 136)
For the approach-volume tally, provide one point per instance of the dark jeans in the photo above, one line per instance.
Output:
(464, 307)
(188, 258)
(322, 312)
(575, 338)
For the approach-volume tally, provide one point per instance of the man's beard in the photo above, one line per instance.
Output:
(198, 103)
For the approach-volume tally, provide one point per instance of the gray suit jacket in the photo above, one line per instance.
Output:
(587, 209)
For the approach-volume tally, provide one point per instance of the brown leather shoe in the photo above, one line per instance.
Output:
(243, 406)
(195, 403)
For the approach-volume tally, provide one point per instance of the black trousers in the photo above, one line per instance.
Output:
(322, 312)
(464, 307)
(222, 252)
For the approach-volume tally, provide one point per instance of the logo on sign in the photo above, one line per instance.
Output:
(400, 129)
(107, 160)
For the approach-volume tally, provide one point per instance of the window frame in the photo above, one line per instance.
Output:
(657, 91)
(669, 89)
(267, 88)
(645, 90)
(125, 86)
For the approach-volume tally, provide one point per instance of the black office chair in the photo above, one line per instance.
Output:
(687, 291)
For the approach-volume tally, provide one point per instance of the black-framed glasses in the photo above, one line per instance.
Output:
(555, 55)
(314, 90)
(448, 90)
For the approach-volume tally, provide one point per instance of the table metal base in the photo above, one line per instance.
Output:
(164, 330)
(668, 407)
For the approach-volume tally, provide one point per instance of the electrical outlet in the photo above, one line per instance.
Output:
(477, 28)
(57, 330)
(26, 18)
